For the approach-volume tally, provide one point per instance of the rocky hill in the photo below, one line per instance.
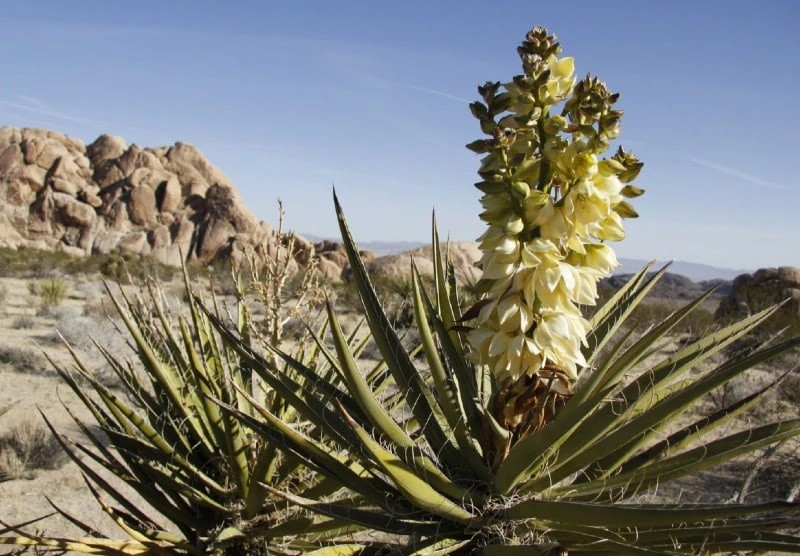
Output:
(57, 193)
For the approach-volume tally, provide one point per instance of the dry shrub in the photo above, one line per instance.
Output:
(27, 447)
(21, 359)
(25, 322)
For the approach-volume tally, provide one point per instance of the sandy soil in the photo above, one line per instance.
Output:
(34, 388)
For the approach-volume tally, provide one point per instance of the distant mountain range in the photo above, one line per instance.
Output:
(695, 271)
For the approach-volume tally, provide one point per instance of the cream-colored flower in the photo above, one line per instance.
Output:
(560, 337)
(561, 78)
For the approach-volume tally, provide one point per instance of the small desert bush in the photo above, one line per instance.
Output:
(27, 447)
(21, 359)
(790, 389)
(52, 292)
(23, 322)
(33, 263)
(127, 268)
(697, 323)
(3, 294)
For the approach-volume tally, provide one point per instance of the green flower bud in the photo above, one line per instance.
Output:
(555, 125)
(520, 189)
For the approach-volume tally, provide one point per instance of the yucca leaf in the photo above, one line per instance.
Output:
(546, 549)
(266, 462)
(313, 454)
(152, 496)
(82, 546)
(663, 373)
(685, 463)
(20, 527)
(640, 516)
(577, 448)
(459, 374)
(154, 538)
(380, 418)
(133, 423)
(446, 295)
(629, 434)
(644, 345)
(166, 378)
(338, 550)
(441, 546)
(359, 389)
(368, 518)
(419, 398)
(608, 317)
(628, 438)
(722, 531)
(310, 397)
(682, 438)
(448, 388)
(414, 488)
(80, 524)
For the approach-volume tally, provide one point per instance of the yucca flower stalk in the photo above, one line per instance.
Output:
(551, 203)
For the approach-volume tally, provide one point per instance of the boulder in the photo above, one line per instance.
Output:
(90, 198)
(398, 266)
(70, 212)
(159, 237)
(134, 242)
(9, 236)
(9, 135)
(106, 147)
(142, 207)
(49, 152)
(10, 157)
(751, 293)
(168, 195)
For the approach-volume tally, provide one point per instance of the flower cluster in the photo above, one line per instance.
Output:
(550, 203)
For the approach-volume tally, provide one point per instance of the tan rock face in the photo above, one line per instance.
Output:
(142, 207)
(110, 195)
(463, 256)
(10, 157)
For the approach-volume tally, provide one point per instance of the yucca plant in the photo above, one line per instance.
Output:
(203, 474)
(530, 428)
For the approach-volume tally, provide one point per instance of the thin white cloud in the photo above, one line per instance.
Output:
(755, 180)
(31, 105)
(439, 93)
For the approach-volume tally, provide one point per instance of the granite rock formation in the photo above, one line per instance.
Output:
(752, 292)
(170, 203)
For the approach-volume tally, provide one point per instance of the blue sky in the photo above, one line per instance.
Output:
(291, 98)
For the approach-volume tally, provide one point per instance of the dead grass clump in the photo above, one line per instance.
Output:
(21, 359)
(27, 448)
(23, 322)
(53, 291)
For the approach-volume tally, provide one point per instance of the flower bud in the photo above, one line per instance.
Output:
(555, 124)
